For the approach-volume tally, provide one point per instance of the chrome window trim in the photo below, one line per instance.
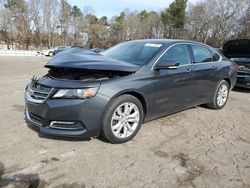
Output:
(190, 63)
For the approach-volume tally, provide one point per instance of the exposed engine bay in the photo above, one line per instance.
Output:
(84, 74)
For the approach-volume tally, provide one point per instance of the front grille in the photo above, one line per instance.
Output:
(39, 95)
(39, 92)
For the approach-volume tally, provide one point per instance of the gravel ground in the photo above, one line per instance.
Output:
(198, 147)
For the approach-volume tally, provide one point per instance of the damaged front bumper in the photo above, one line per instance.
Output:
(79, 118)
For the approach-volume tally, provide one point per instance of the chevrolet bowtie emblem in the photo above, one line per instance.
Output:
(31, 92)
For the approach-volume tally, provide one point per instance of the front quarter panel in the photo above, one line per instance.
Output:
(137, 83)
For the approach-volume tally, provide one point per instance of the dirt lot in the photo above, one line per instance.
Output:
(198, 147)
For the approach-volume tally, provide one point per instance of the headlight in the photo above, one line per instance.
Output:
(76, 93)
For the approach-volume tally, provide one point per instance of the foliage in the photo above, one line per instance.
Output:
(173, 18)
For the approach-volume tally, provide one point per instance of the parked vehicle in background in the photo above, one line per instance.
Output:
(239, 51)
(97, 50)
(50, 52)
(58, 50)
(86, 94)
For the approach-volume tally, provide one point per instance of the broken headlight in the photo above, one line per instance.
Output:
(76, 93)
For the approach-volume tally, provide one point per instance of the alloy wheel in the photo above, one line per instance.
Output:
(222, 95)
(125, 120)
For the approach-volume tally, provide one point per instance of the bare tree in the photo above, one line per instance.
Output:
(64, 19)
(35, 10)
(214, 21)
(6, 30)
(19, 11)
(50, 14)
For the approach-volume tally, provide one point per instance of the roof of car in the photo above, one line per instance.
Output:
(168, 41)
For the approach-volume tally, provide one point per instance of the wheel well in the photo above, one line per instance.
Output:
(228, 81)
(140, 98)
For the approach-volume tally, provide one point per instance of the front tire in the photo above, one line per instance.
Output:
(123, 119)
(220, 96)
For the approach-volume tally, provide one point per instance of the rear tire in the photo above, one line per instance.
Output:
(220, 97)
(123, 119)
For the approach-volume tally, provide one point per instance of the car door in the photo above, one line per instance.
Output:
(173, 88)
(204, 70)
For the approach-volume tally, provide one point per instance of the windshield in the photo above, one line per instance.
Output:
(241, 59)
(135, 52)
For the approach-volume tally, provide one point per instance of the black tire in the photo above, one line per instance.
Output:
(214, 104)
(106, 124)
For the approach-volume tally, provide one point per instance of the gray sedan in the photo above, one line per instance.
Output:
(86, 94)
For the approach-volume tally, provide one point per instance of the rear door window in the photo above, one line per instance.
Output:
(201, 54)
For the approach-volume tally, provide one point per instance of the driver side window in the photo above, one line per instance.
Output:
(178, 53)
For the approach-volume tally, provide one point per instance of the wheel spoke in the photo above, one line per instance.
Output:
(224, 94)
(131, 107)
(133, 115)
(118, 131)
(130, 129)
(125, 131)
(117, 126)
(119, 112)
(126, 108)
(116, 117)
(133, 120)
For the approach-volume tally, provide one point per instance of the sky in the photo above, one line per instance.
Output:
(114, 7)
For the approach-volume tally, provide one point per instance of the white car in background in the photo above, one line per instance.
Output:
(50, 52)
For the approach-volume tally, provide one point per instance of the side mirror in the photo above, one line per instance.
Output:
(168, 64)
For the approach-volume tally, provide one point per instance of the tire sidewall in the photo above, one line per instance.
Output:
(106, 127)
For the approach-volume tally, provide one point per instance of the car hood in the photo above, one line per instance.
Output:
(81, 58)
(237, 48)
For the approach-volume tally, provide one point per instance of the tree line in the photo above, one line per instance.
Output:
(36, 24)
